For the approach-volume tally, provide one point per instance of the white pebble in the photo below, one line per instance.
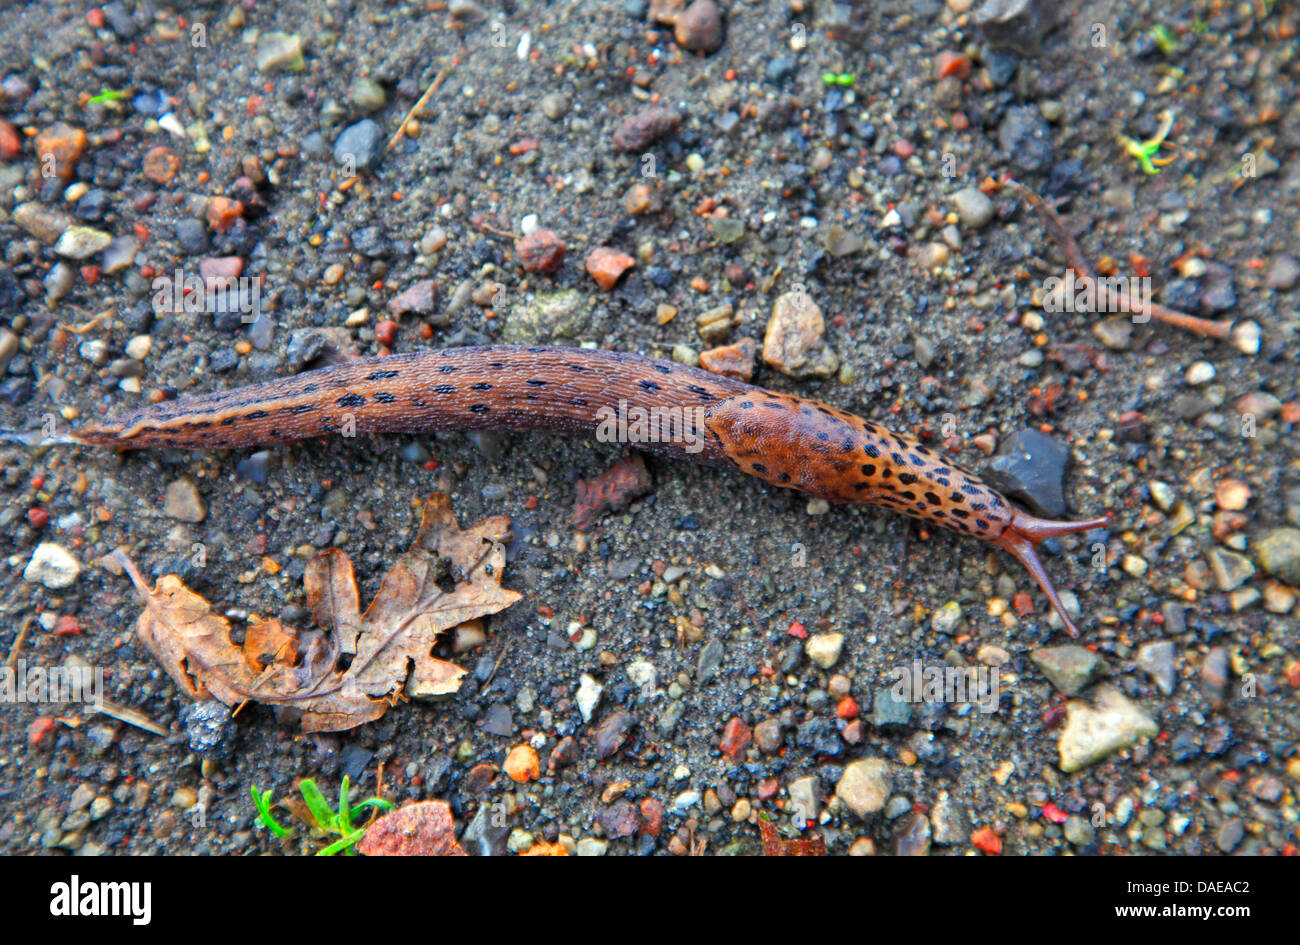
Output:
(52, 566)
(1202, 372)
(588, 696)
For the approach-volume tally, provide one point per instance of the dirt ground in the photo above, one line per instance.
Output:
(845, 186)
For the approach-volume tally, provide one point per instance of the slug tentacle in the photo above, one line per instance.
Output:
(1021, 539)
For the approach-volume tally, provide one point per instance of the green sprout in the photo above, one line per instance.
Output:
(263, 802)
(1144, 152)
(106, 96)
(1164, 39)
(839, 78)
(327, 820)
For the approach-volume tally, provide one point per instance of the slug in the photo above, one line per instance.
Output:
(785, 440)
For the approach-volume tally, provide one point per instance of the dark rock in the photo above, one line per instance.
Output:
(358, 146)
(211, 728)
(497, 720)
(223, 360)
(1026, 138)
(92, 205)
(611, 734)
(1030, 468)
(356, 760)
(887, 711)
(1017, 24)
(304, 347)
(1001, 65)
(819, 736)
(192, 235)
(1218, 294)
(619, 820)
(119, 20)
(11, 292)
(254, 468)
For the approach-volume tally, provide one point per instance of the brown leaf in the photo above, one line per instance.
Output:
(390, 644)
(776, 845)
(421, 829)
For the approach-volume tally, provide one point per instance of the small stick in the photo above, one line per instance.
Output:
(18, 643)
(486, 227)
(1221, 330)
(433, 87)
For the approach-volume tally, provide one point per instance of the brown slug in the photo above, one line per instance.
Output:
(785, 440)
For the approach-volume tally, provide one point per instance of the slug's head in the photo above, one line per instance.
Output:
(1021, 539)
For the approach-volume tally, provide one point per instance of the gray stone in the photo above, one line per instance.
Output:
(888, 711)
(1157, 661)
(1231, 570)
(710, 659)
(1069, 668)
(358, 146)
(1030, 467)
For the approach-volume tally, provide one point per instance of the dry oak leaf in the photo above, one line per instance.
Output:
(776, 845)
(388, 648)
(420, 829)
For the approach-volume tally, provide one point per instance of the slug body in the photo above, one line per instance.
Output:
(785, 440)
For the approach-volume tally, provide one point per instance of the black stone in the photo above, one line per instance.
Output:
(1030, 468)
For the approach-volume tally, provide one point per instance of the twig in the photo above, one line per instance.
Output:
(433, 87)
(18, 643)
(130, 717)
(1120, 300)
(94, 322)
(489, 228)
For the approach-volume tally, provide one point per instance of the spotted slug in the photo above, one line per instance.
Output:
(785, 440)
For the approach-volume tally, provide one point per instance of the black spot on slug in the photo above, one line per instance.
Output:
(385, 398)
(381, 375)
(351, 400)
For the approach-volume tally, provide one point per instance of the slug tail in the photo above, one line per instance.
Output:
(91, 435)
(1021, 539)
(33, 439)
